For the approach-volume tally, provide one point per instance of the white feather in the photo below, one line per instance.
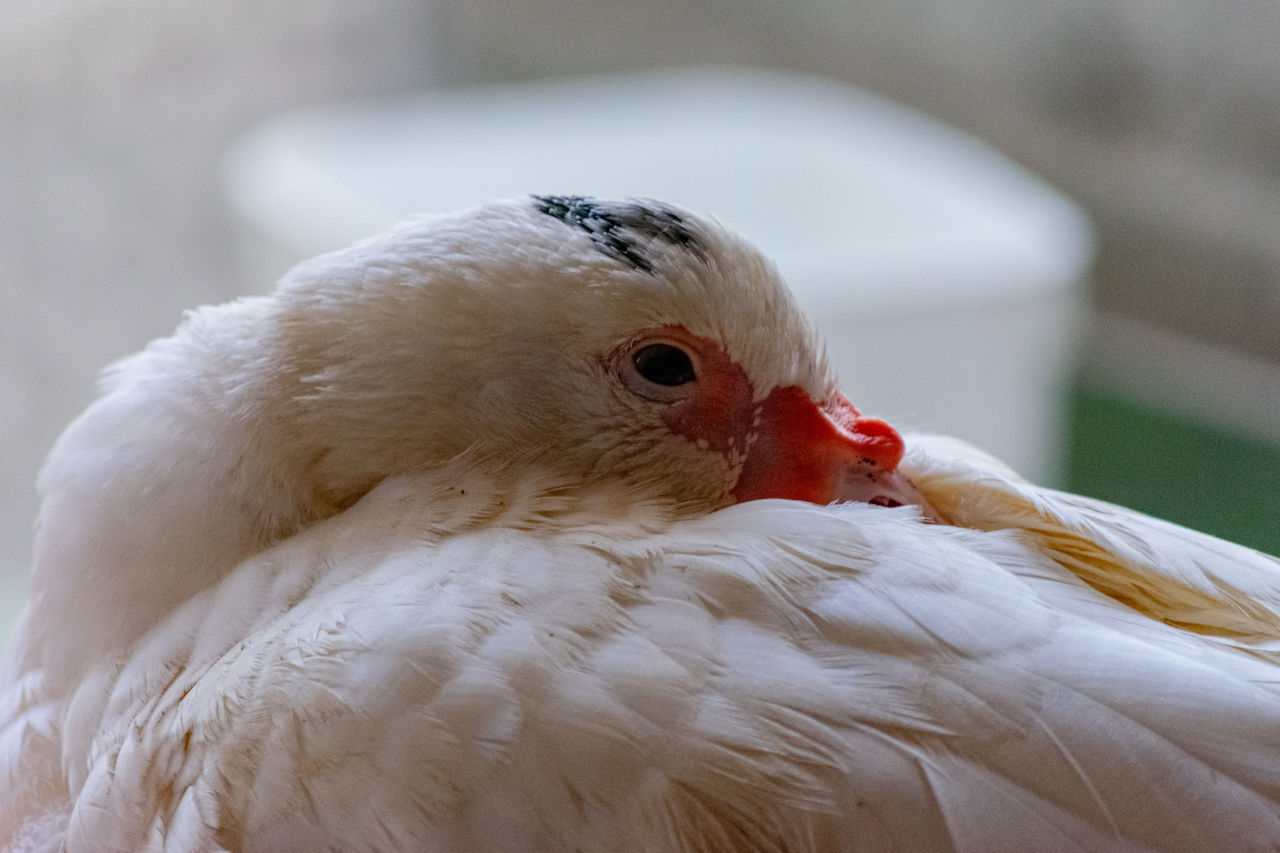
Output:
(269, 615)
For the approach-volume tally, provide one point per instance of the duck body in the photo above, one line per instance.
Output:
(479, 651)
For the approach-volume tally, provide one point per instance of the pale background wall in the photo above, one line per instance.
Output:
(1162, 118)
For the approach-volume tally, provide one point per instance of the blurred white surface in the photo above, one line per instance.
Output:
(945, 278)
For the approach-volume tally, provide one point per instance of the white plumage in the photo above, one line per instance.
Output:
(417, 553)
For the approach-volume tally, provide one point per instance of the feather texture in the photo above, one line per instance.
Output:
(1167, 572)
(378, 563)
(883, 685)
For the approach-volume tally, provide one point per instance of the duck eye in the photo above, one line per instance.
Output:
(664, 364)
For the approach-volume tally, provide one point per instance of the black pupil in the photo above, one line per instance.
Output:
(664, 364)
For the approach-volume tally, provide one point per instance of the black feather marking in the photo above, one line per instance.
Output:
(622, 229)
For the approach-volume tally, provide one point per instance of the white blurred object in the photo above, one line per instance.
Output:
(946, 279)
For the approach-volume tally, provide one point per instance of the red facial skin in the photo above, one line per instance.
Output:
(795, 448)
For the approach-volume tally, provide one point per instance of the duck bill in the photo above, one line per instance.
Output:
(823, 453)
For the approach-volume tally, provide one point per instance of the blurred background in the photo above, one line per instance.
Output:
(1161, 120)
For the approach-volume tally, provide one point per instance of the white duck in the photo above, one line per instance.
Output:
(451, 543)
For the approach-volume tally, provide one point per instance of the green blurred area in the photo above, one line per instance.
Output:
(1189, 473)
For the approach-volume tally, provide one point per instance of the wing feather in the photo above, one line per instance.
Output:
(1188, 579)
(775, 676)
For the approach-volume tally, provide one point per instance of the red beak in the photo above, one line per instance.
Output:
(821, 454)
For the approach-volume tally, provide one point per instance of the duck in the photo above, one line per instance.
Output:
(546, 526)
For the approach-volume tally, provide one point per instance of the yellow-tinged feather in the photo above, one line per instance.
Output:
(1182, 578)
